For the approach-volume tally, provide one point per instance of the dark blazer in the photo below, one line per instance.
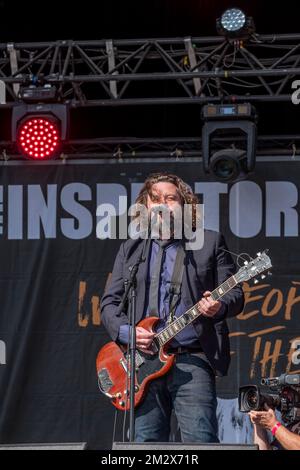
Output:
(205, 269)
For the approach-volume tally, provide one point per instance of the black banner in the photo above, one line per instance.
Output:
(55, 262)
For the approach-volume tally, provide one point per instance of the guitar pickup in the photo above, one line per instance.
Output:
(154, 346)
(139, 360)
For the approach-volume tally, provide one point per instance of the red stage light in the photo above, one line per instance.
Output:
(40, 130)
(33, 131)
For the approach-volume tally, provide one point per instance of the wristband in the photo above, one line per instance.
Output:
(275, 428)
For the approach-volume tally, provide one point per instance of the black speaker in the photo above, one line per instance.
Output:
(46, 446)
(179, 446)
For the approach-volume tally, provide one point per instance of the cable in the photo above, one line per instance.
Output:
(114, 428)
(238, 256)
(127, 392)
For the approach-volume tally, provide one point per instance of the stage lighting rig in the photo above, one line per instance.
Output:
(234, 24)
(38, 94)
(38, 130)
(238, 121)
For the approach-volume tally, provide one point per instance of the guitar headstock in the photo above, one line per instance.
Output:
(254, 267)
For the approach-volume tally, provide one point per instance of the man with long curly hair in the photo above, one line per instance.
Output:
(202, 347)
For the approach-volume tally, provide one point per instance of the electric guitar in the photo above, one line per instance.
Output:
(112, 362)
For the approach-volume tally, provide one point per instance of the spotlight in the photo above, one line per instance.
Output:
(235, 24)
(39, 130)
(229, 164)
(238, 122)
(38, 137)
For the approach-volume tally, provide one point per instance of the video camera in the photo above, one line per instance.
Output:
(283, 395)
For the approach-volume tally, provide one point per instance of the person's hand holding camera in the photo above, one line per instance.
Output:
(266, 419)
(262, 421)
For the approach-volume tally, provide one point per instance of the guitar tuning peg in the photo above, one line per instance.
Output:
(269, 273)
(259, 253)
(263, 276)
(246, 263)
(255, 281)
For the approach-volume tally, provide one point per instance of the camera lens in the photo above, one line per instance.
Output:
(251, 399)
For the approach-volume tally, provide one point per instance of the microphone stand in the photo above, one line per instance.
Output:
(130, 293)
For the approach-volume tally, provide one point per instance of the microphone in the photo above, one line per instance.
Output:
(157, 226)
(159, 208)
(155, 211)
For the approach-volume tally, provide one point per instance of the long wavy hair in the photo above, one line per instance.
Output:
(186, 194)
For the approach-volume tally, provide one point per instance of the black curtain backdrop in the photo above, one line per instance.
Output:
(54, 269)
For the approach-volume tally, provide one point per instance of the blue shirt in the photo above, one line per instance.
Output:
(188, 336)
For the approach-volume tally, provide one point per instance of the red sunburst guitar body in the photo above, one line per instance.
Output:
(112, 366)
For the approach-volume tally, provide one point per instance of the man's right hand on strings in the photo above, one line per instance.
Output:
(144, 339)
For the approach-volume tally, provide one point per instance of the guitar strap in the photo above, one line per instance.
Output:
(176, 281)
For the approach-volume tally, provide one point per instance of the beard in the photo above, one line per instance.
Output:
(166, 225)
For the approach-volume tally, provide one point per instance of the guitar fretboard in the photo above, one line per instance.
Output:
(190, 315)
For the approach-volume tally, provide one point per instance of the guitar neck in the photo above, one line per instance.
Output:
(190, 315)
(224, 288)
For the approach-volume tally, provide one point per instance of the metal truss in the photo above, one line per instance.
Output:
(182, 148)
(154, 71)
